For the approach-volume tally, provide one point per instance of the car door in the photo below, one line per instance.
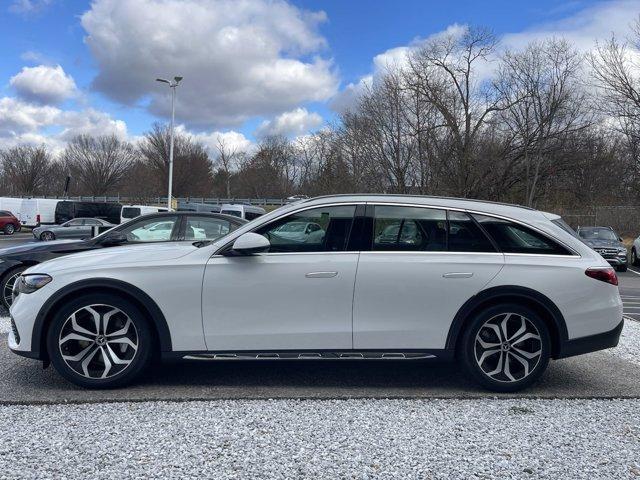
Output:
(71, 229)
(421, 267)
(296, 296)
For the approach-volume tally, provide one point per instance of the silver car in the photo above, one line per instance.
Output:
(74, 228)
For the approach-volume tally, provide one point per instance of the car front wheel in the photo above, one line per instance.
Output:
(99, 341)
(7, 283)
(506, 348)
(47, 236)
(9, 229)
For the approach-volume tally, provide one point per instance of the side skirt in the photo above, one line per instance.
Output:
(312, 355)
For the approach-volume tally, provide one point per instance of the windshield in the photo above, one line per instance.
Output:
(598, 234)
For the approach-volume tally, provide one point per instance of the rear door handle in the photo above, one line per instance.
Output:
(458, 275)
(321, 274)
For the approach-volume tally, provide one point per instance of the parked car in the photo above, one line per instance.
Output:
(132, 211)
(69, 209)
(76, 228)
(9, 224)
(502, 288)
(186, 227)
(248, 212)
(635, 252)
(607, 243)
(299, 231)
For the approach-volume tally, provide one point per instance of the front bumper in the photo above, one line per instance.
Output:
(592, 343)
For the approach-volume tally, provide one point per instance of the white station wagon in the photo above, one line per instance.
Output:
(501, 288)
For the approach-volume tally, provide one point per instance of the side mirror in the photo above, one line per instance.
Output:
(250, 243)
(114, 238)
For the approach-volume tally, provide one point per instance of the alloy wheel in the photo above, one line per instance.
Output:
(7, 291)
(98, 341)
(508, 347)
(47, 236)
(9, 229)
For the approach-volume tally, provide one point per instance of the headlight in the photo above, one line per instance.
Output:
(31, 282)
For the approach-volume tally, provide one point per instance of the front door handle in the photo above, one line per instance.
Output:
(321, 274)
(458, 275)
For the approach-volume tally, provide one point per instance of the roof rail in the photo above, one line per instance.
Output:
(417, 196)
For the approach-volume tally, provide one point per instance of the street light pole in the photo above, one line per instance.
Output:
(172, 84)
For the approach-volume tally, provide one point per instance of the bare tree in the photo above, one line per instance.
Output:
(99, 165)
(547, 104)
(616, 71)
(446, 72)
(25, 169)
(226, 160)
(192, 167)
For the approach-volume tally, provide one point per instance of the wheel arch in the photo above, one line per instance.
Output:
(541, 304)
(145, 303)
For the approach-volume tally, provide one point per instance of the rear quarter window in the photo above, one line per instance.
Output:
(511, 237)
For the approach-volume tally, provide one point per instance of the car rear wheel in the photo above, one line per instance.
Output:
(7, 283)
(9, 229)
(506, 348)
(634, 257)
(100, 341)
(47, 236)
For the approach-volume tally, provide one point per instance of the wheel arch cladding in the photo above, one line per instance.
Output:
(147, 306)
(539, 303)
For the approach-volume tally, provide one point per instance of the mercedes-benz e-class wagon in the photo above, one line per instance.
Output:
(502, 289)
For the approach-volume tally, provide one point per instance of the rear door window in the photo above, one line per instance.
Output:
(515, 238)
(466, 236)
(399, 228)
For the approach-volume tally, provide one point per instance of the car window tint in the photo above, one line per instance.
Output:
(156, 229)
(409, 229)
(92, 222)
(324, 229)
(514, 238)
(75, 223)
(251, 215)
(466, 236)
(203, 228)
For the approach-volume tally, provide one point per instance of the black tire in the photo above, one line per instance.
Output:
(123, 375)
(6, 278)
(469, 355)
(47, 236)
(9, 229)
(621, 268)
(634, 258)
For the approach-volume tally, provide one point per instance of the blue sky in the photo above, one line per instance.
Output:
(252, 69)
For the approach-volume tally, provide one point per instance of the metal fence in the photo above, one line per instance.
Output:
(163, 200)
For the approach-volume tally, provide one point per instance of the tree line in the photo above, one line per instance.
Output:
(544, 126)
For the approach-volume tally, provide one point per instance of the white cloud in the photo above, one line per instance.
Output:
(239, 58)
(28, 7)
(22, 122)
(234, 141)
(290, 124)
(582, 28)
(44, 84)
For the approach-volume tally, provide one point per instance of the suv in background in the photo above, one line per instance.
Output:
(9, 224)
(607, 243)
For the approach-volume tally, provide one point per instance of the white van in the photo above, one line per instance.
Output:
(132, 211)
(248, 212)
(13, 205)
(38, 211)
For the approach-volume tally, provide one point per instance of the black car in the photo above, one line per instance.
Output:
(155, 227)
(607, 243)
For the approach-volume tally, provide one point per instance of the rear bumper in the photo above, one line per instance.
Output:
(592, 343)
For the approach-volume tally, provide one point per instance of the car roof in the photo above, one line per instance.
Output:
(496, 208)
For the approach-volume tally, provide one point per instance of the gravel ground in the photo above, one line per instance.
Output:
(489, 438)
(324, 439)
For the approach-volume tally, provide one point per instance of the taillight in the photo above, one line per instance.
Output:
(38, 218)
(605, 274)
